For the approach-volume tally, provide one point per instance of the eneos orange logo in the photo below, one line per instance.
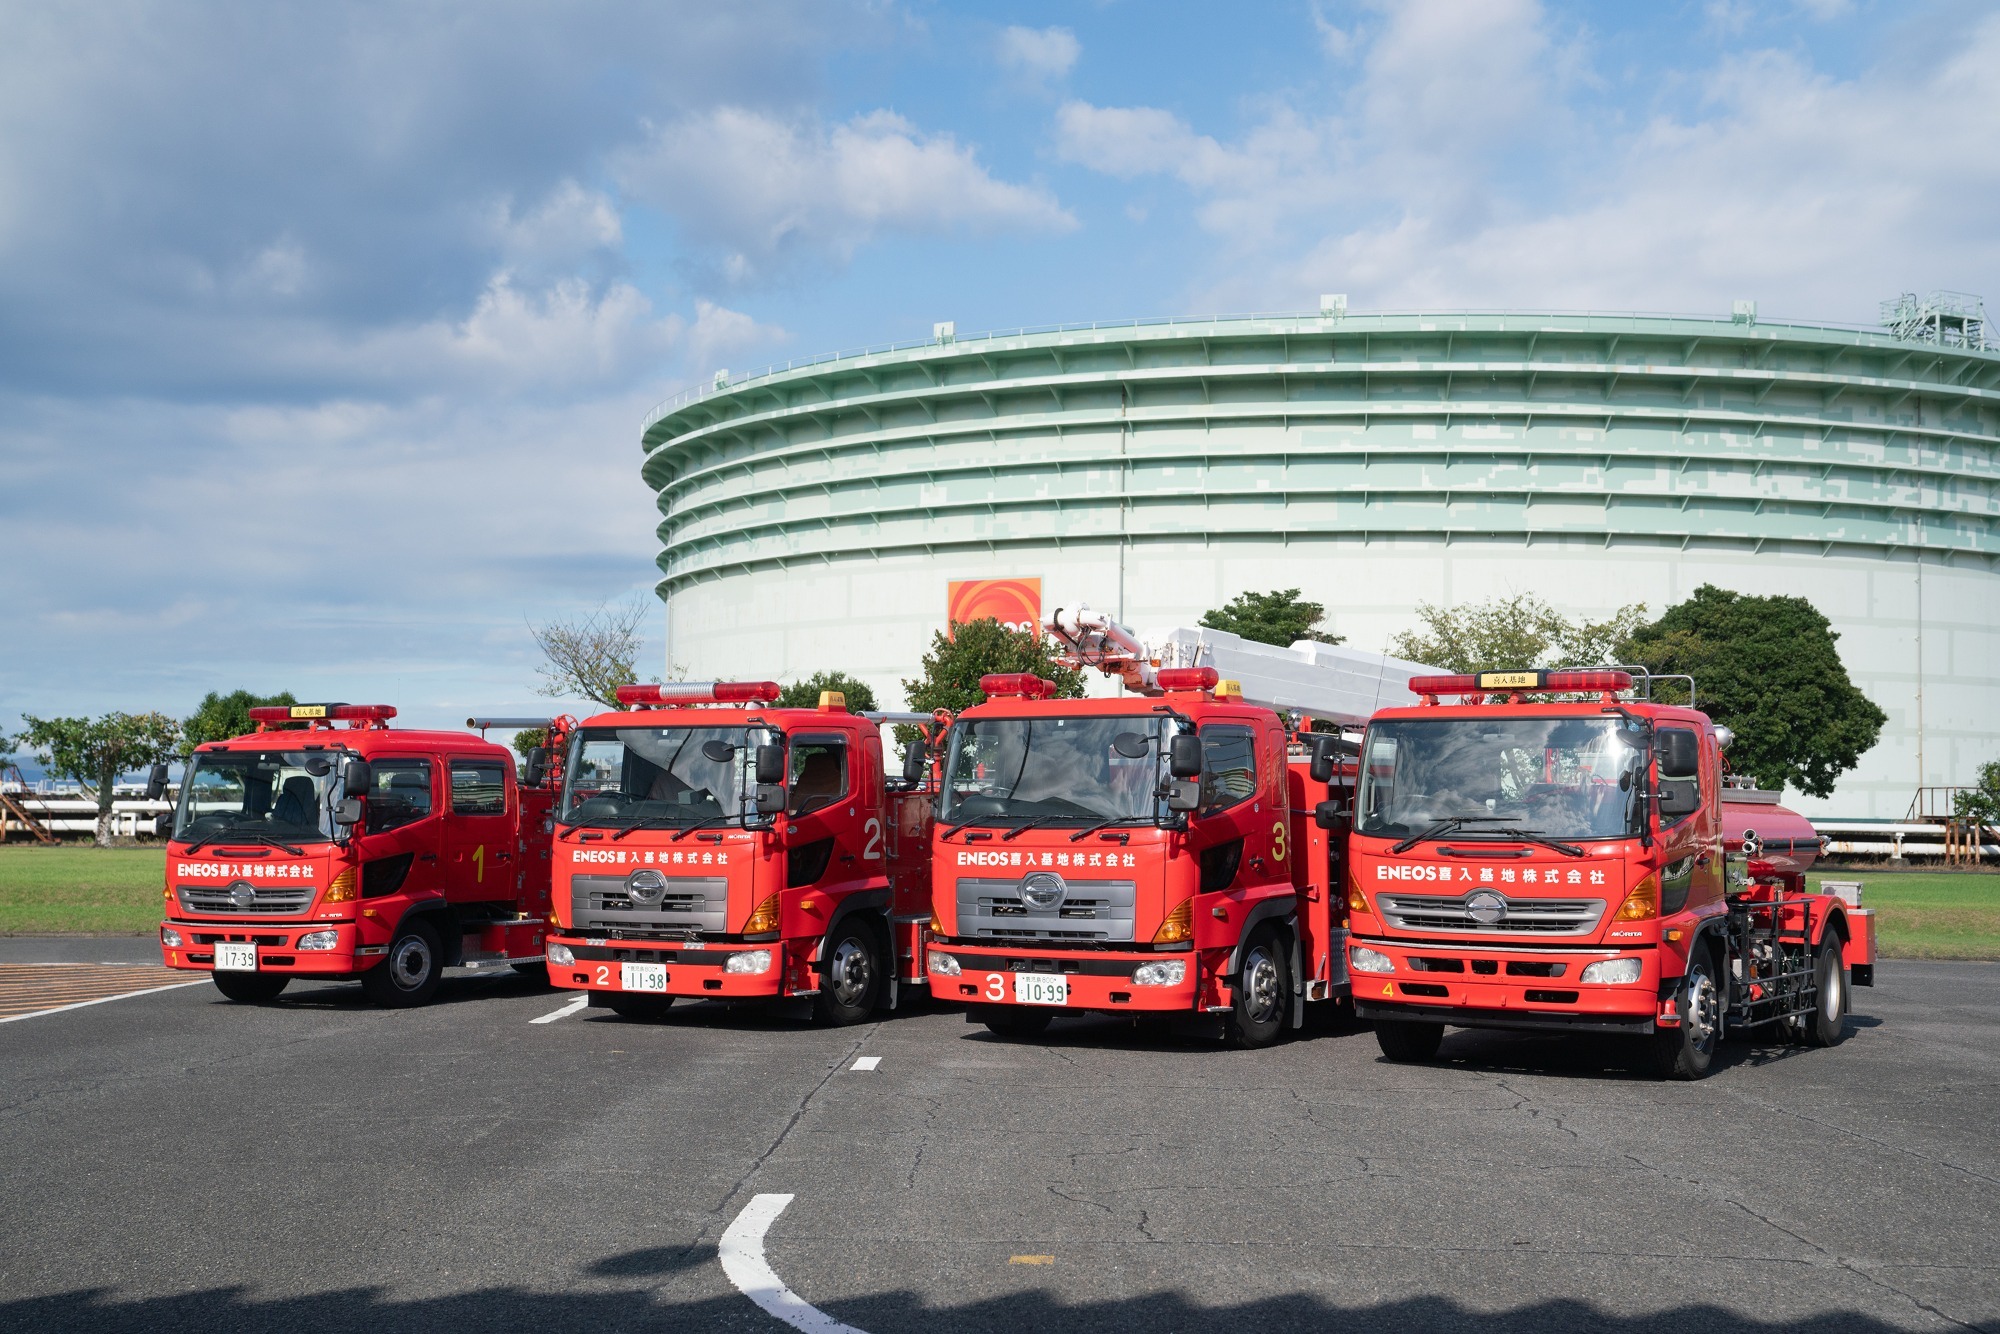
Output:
(1015, 603)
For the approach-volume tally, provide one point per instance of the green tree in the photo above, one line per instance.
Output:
(527, 739)
(590, 657)
(219, 717)
(1521, 631)
(805, 694)
(1277, 617)
(95, 752)
(1981, 803)
(973, 649)
(1768, 669)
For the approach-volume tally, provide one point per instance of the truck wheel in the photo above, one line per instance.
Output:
(852, 984)
(409, 974)
(1408, 1039)
(250, 988)
(1012, 1021)
(638, 1007)
(1263, 990)
(1828, 1021)
(1688, 1051)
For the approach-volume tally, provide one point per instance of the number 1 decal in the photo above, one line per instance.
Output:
(479, 863)
(873, 829)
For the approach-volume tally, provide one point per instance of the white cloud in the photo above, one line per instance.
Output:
(765, 190)
(568, 226)
(1039, 53)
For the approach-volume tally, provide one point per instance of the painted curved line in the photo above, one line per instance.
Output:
(742, 1254)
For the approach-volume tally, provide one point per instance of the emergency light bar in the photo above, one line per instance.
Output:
(295, 713)
(1188, 678)
(1025, 684)
(699, 692)
(1474, 683)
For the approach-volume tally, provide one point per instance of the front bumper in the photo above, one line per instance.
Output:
(694, 968)
(1494, 987)
(277, 947)
(1098, 980)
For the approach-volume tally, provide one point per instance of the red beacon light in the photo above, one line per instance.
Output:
(1188, 678)
(698, 692)
(322, 715)
(1024, 684)
(1538, 680)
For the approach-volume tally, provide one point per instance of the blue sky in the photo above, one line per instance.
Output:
(326, 332)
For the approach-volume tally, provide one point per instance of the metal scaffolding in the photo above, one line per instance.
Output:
(1955, 319)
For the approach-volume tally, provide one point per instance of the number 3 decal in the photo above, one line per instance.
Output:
(874, 831)
(993, 987)
(1278, 841)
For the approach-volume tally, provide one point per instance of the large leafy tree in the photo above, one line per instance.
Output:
(1278, 617)
(219, 717)
(973, 649)
(805, 694)
(95, 751)
(1768, 668)
(1514, 632)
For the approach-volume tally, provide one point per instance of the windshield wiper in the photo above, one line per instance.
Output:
(1106, 823)
(1535, 836)
(715, 822)
(646, 822)
(1025, 826)
(250, 836)
(1445, 826)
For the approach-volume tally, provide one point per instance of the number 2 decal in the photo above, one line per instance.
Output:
(1278, 841)
(994, 988)
(874, 831)
(603, 974)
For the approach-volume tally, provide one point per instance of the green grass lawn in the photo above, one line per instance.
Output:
(80, 890)
(1931, 914)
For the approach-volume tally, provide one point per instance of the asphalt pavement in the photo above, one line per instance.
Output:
(174, 1161)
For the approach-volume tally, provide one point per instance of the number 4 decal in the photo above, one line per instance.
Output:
(873, 829)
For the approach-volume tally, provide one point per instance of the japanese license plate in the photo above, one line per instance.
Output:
(1041, 989)
(235, 958)
(642, 976)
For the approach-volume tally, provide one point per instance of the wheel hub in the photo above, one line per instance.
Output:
(849, 972)
(1703, 1010)
(1260, 985)
(411, 963)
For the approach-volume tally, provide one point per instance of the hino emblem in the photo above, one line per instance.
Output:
(646, 887)
(1486, 908)
(1043, 889)
(242, 894)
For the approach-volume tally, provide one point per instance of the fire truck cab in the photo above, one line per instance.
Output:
(307, 849)
(1579, 862)
(710, 846)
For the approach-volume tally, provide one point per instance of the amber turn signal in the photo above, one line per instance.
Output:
(1178, 926)
(344, 889)
(1643, 903)
(764, 919)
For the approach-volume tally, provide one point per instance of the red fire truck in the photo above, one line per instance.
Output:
(1157, 852)
(309, 849)
(1581, 862)
(713, 847)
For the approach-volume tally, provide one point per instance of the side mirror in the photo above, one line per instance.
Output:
(156, 783)
(1331, 816)
(916, 760)
(1184, 795)
(1680, 753)
(770, 798)
(163, 824)
(1678, 797)
(537, 767)
(770, 764)
(348, 812)
(357, 777)
(1184, 757)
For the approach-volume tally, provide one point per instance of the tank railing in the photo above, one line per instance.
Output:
(723, 385)
(1933, 803)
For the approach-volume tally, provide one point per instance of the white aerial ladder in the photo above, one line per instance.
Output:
(1324, 681)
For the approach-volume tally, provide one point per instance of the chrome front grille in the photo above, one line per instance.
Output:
(1436, 912)
(992, 908)
(698, 902)
(217, 899)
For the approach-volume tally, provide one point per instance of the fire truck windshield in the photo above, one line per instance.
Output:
(665, 776)
(1054, 770)
(283, 795)
(1561, 777)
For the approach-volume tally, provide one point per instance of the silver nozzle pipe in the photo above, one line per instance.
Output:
(483, 723)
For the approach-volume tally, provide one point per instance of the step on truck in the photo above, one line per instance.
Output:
(711, 846)
(1554, 851)
(327, 844)
(1160, 852)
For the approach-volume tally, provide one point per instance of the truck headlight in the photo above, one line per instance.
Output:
(318, 940)
(749, 961)
(1613, 970)
(1364, 960)
(560, 955)
(1166, 973)
(170, 938)
(944, 965)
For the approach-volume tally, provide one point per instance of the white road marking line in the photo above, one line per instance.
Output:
(123, 995)
(742, 1254)
(570, 1008)
(867, 1063)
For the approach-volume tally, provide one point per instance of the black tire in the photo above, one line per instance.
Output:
(1408, 1040)
(1015, 1021)
(250, 988)
(1687, 1052)
(1827, 1023)
(851, 986)
(408, 975)
(628, 1006)
(1262, 1008)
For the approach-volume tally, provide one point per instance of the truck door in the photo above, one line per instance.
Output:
(401, 833)
(821, 833)
(479, 831)
(1691, 873)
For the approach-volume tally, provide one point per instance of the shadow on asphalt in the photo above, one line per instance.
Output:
(369, 1311)
(336, 995)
